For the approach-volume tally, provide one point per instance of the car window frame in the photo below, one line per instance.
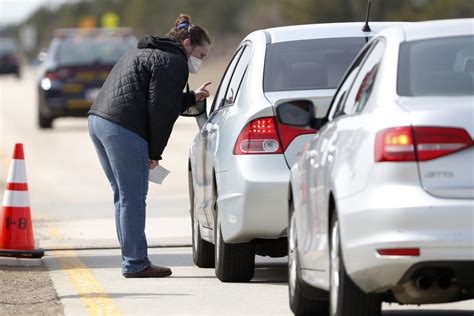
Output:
(238, 53)
(334, 110)
(247, 48)
(353, 109)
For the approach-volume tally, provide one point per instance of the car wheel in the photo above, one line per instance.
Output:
(234, 262)
(44, 122)
(203, 251)
(346, 299)
(299, 304)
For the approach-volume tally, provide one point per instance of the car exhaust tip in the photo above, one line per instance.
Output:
(423, 282)
(444, 282)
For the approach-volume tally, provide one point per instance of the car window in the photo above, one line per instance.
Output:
(436, 67)
(221, 91)
(309, 64)
(7, 46)
(337, 103)
(74, 51)
(234, 86)
(364, 81)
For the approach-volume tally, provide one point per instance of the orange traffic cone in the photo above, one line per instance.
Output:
(16, 229)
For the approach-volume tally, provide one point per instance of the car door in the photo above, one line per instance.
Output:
(219, 121)
(208, 138)
(318, 161)
(337, 168)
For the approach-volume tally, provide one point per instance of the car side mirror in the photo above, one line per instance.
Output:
(296, 113)
(196, 110)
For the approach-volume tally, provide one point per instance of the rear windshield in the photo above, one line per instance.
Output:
(309, 64)
(7, 46)
(92, 50)
(436, 67)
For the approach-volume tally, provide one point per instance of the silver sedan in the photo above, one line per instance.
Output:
(382, 199)
(239, 161)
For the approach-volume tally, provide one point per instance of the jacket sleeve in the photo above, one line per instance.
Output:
(164, 103)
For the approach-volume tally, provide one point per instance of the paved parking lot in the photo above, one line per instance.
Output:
(72, 208)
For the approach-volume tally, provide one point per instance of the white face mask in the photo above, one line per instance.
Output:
(194, 64)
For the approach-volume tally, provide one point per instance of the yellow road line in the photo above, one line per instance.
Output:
(92, 294)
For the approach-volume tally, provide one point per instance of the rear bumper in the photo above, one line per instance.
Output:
(253, 198)
(442, 229)
(54, 104)
(9, 68)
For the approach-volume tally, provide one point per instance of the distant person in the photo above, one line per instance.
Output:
(130, 123)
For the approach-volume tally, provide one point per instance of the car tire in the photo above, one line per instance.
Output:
(299, 304)
(346, 298)
(44, 122)
(234, 262)
(203, 251)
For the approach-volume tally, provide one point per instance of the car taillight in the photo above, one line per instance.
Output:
(419, 143)
(258, 137)
(52, 75)
(59, 74)
(15, 58)
(288, 133)
(265, 136)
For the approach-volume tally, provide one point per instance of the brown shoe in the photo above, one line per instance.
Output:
(151, 272)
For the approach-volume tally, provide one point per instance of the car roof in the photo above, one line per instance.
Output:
(325, 30)
(438, 28)
(92, 32)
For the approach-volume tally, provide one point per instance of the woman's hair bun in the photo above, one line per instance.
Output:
(183, 18)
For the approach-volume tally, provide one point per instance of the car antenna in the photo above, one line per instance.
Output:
(366, 27)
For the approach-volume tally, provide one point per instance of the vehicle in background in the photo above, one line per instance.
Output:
(10, 57)
(239, 161)
(76, 65)
(381, 201)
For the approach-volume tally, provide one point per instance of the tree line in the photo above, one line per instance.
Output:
(229, 20)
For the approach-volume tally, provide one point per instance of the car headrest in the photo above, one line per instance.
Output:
(469, 65)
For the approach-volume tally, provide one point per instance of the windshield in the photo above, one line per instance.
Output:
(309, 64)
(436, 67)
(92, 50)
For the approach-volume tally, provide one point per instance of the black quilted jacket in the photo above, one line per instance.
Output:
(144, 91)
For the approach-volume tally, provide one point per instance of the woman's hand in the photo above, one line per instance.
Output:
(152, 164)
(202, 93)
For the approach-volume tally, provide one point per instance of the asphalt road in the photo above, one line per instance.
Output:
(71, 205)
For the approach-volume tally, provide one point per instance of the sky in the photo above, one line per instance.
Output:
(14, 11)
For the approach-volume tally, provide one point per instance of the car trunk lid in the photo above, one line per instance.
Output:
(450, 175)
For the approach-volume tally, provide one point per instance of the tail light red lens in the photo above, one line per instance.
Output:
(265, 136)
(52, 75)
(258, 137)
(419, 143)
(60, 74)
(15, 57)
(289, 133)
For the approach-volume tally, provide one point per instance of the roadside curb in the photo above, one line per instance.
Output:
(20, 262)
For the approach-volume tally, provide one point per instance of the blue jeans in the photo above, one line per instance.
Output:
(124, 158)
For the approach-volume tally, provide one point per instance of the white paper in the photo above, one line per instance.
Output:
(158, 174)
